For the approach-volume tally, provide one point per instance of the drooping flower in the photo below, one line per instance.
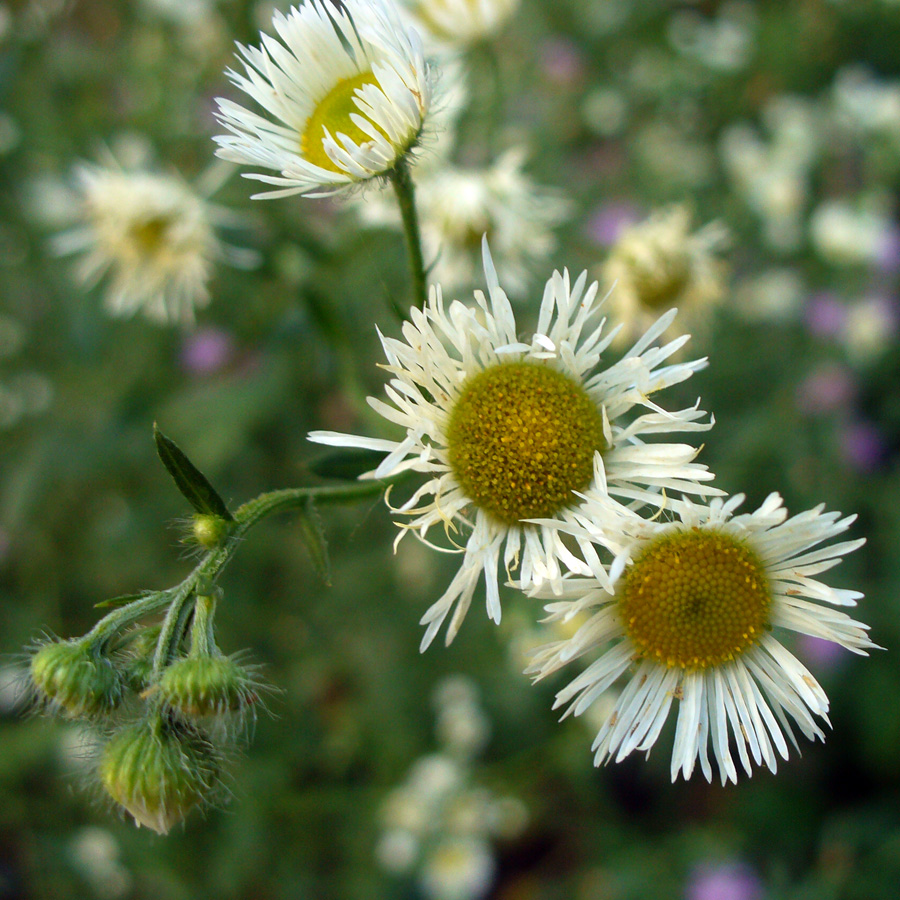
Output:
(507, 430)
(691, 617)
(346, 90)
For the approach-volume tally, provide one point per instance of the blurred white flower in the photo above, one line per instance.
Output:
(458, 868)
(460, 22)
(869, 329)
(151, 236)
(660, 264)
(458, 206)
(773, 176)
(95, 853)
(852, 233)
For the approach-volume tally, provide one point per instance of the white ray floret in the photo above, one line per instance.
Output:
(444, 348)
(748, 702)
(359, 47)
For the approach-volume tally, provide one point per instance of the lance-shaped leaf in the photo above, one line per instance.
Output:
(116, 602)
(347, 464)
(314, 537)
(189, 479)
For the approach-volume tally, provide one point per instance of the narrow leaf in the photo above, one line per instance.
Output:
(189, 479)
(347, 464)
(116, 602)
(314, 537)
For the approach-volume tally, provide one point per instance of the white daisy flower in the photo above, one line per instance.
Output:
(689, 616)
(348, 88)
(507, 430)
(461, 21)
(659, 264)
(458, 205)
(151, 235)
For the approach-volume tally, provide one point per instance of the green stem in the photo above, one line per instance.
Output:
(202, 639)
(116, 621)
(406, 199)
(196, 587)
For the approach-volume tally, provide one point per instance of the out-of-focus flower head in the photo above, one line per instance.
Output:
(459, 206)
(150, 236)
(662, 264)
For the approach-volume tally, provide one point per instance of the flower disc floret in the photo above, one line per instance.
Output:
(522, 438)
(695, 599)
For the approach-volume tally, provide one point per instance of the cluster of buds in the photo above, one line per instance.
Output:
(168, 701)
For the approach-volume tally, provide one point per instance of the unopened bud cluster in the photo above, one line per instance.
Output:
(168, 699)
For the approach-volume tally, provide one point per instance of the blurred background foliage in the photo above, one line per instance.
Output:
(734, 108)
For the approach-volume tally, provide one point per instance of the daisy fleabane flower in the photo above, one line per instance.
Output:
(692, 616)
(349, 89)
(508, 430)
(150, 236)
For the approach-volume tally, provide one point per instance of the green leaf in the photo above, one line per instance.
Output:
(189, 479)
(347, 464)
(314, 537)
(116, 602)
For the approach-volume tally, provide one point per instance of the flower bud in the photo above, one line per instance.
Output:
(76, 679)
(136, 664)
(208, 685)
(209, 531)
(159, 770)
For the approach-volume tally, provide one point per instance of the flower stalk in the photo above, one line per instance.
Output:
(406, 199)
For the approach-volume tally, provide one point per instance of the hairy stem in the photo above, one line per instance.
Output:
(406, 198)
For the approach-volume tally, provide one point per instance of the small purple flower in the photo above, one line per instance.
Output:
(562, 61)
(889, 257)
(206, 351)
(824, 655)
(863, 446)
(825, 315)
(827, 388)
(608, 222)
(723, 881)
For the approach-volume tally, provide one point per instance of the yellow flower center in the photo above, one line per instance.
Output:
(333, 113)
(522, 437)
(150, 234)
(695, 599)
(659, 285)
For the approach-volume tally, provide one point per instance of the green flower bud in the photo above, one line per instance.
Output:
(210, 531)
(159, 770)
(208, 685)
(76, 679)
(136, 663)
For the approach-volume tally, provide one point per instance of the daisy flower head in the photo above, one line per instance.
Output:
(506, 430)
(346, 89)
(151, 236)
(692, 617)
(662, 263)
